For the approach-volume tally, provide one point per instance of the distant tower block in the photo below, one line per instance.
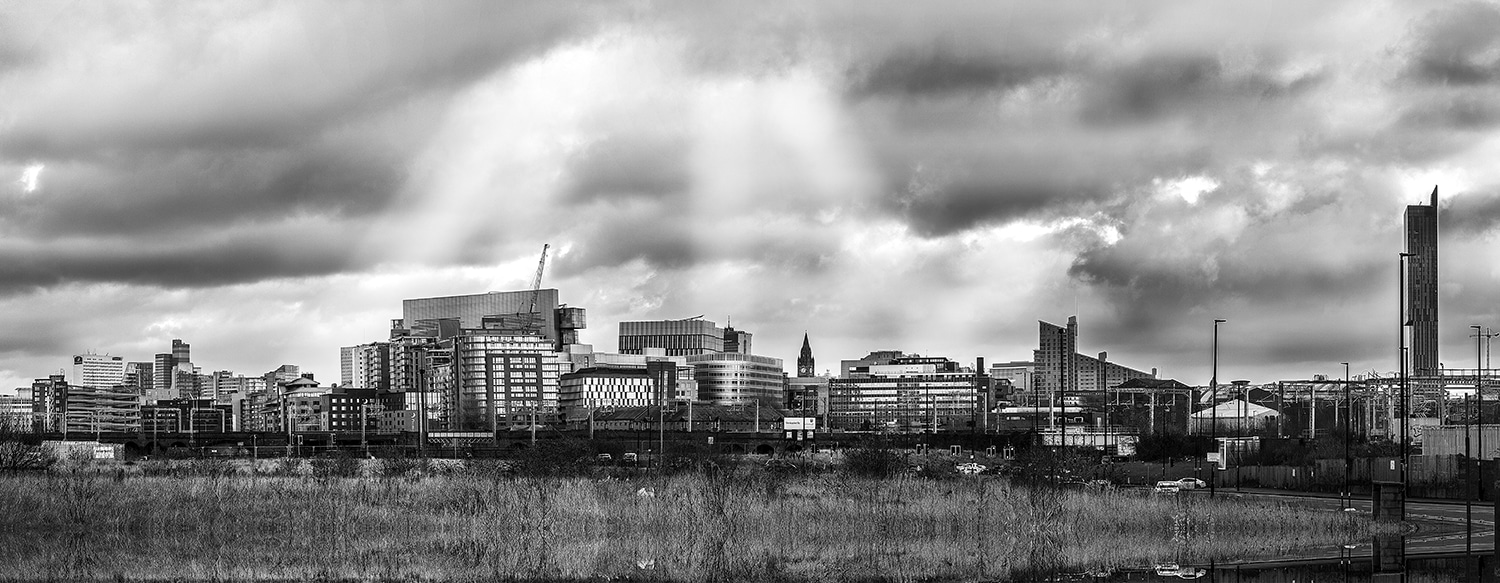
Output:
(1422, 285)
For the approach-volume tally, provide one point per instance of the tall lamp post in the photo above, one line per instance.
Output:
(1348, 428)
(1478, 402)
(1213, 386)
(1405, 398)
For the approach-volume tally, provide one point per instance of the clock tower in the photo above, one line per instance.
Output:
(805, 360)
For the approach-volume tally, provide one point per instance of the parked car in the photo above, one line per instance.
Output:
(1192, 483)
(1168, 487)
(604, 458)
(970, 468)
(629, 458)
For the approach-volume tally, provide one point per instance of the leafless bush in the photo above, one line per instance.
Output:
(23, 451)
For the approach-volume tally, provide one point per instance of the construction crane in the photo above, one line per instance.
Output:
(532, 317)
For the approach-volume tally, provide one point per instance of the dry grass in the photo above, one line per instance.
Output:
(733, 528)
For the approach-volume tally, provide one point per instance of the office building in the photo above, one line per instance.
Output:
(807, 396)
(854, 367)
(1017, 374)
(737, 341)
(1422, 286)
(498, 382)
(161, 377)
(604, 387)
(604, 379)
(59, 406)
(138, 375)
(174, 376)
(728, 378)
(689, 337)
(97, 370)
(15, 413)
(277, 379)
(907, 394)
(503, 312)
(187, 415)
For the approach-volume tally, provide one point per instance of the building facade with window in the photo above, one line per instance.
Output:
(729, 378)
(906, 395)
(690, 337)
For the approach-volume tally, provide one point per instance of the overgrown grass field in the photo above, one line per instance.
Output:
(732, 526)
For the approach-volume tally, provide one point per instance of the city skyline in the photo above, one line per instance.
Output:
(270, 182)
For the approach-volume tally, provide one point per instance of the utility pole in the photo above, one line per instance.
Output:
(1405, 408)
(1348, 418)
(1213, 387)
(1479, 402)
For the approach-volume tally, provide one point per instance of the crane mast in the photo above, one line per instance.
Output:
(536, 290)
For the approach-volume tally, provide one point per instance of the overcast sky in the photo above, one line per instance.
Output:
(268, 181)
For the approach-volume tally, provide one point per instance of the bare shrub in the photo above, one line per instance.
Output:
(339, 465)
(22, 451)
(873, 462)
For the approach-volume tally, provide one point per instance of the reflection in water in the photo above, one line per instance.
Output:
(1387, 562)
(693, 529)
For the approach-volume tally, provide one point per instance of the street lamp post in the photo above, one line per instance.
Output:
(1213, 386)
(1348, 417)
(1405, 398)
(1479, 403)
(364, 419)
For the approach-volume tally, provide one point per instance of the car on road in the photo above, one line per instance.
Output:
(1178, 571)
(1167, 487)
(629, 459)
(970, 468)
(604, 458)
(1192, 483)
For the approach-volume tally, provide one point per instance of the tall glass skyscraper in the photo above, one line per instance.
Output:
(1422, 285)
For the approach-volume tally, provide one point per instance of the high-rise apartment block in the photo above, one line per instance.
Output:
(1056, 358)
(97, 370)
(173, 376)
(1061, 372)
(496, 382)
(1422, 285)
(366, 366)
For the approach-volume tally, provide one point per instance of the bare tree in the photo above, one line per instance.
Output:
(23, 450)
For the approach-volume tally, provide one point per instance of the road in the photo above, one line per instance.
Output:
(1441, 526)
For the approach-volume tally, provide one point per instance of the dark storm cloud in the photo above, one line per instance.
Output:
(965, 205)
(942, 71)
(162, 131)
(1471, 214)
(653, 166)
(1458, 46)
(1182, 84)
(321, 67)
(204, 192)
(1151, 88)
(245, 256)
